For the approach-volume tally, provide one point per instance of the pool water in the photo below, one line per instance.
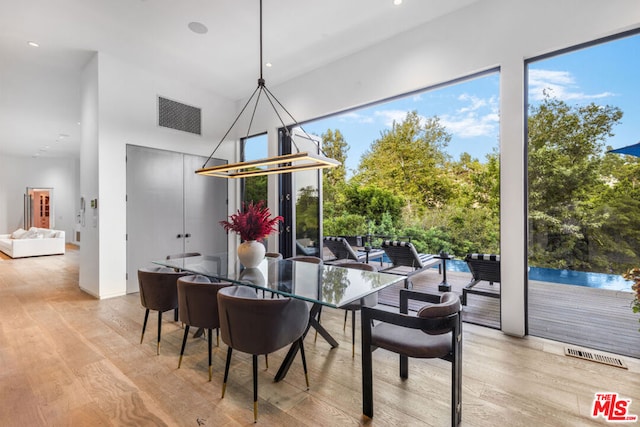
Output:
(565, 277)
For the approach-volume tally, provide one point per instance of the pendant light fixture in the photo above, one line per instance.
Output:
(272, 165)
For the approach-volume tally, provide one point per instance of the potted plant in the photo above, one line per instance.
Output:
(634, 275)
(253, 224)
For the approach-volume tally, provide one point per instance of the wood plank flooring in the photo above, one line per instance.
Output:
(71, 360)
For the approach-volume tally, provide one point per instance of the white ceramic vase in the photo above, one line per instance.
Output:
(251, 253)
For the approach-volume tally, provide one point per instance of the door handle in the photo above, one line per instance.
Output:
(187, 235)
(179, 236)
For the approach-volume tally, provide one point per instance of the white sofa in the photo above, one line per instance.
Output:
(34, 242)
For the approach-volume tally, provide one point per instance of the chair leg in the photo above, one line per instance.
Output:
(184, 343)
(344, 326)
(210, 342)
(255, 387)
(226, 371)
(217, 337)
(266, 361)
(159, 331)
(404, 367)
(175, 315)
(304, 360)
(144, 324)
(367, 375)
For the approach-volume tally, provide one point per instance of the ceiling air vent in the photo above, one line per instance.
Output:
(175, 115)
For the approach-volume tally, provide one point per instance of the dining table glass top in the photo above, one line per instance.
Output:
(329, 285)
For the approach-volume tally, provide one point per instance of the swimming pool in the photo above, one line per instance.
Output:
(565, 277)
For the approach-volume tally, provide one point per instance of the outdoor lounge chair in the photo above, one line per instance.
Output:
(342, 250)
(483, 267)
(406, 260)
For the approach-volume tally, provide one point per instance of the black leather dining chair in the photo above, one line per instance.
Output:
(434, 332)
(158, 292)
(198, 306)
(257, 326)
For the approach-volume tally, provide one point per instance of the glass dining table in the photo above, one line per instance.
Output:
(319, 284)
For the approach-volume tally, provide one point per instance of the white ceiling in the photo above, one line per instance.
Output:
(39, 87)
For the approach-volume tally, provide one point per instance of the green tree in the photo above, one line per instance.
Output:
(334, 179)
(564, 163)
(409, 161)
(255, 189)
(372, 203)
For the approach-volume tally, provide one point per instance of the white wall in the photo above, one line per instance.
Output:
(488, 34)
(18, 173)
(127, 114)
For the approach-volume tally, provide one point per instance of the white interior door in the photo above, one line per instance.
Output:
(205, 205)
(155, 225)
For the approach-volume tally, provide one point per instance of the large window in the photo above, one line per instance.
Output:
(583, 203)
(254, 188)
(422, 167)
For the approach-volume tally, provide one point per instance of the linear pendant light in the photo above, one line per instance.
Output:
(272, 165)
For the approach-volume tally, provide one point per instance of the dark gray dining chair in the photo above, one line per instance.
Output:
(198, 306)
(434, 332)
(257, 326)
(159, 292)
(369, 301)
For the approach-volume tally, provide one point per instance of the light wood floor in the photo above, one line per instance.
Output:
(68, 359)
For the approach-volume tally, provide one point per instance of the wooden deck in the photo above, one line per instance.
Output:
(595, 318)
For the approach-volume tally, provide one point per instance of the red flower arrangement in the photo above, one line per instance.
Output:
(252, 222)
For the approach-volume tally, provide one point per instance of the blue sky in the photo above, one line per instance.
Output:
(606, 74)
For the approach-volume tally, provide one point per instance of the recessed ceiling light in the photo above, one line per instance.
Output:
(33, 44)
(63, 135)
(268, 64)
(397, 2)
(198, 27)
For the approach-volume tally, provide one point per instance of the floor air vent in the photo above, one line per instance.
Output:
(594, 357)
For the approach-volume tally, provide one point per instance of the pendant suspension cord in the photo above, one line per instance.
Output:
(261, 79)
(270, 95)
(262, 87)
(255, 107)
(232, 125)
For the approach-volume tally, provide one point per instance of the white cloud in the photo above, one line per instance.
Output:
(558, 84)
(476, 117)
(475, 103)
(355, 117)
(471, 125)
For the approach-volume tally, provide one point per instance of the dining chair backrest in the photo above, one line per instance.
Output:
(306, 258)
(273, 255)
(358, 266)
(259, 326)
(198, 301)
(158, 288)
